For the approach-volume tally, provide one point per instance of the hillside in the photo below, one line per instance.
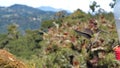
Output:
(48, 8)
(26, 17)
(79, 40)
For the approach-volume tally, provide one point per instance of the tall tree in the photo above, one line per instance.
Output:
(12, 31)
(112, 4)
(93, 6)
(60, 14)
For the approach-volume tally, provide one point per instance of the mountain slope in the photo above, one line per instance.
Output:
(26, 17)
(48, 8)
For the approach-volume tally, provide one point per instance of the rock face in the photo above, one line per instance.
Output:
(8, 60)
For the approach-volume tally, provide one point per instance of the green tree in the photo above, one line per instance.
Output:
(93, 6)
(112, 4)
(46, 24)
(13, 31)
(60, 14)
(78, 14)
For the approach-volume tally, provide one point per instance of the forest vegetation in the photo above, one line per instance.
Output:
(76, 40)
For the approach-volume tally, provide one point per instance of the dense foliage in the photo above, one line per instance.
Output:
(58, 45)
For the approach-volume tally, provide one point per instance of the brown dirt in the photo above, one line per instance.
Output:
(8, 60)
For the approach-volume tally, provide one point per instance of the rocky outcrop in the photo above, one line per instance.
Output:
(8, 60)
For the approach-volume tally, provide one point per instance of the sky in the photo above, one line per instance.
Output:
(70, 5)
